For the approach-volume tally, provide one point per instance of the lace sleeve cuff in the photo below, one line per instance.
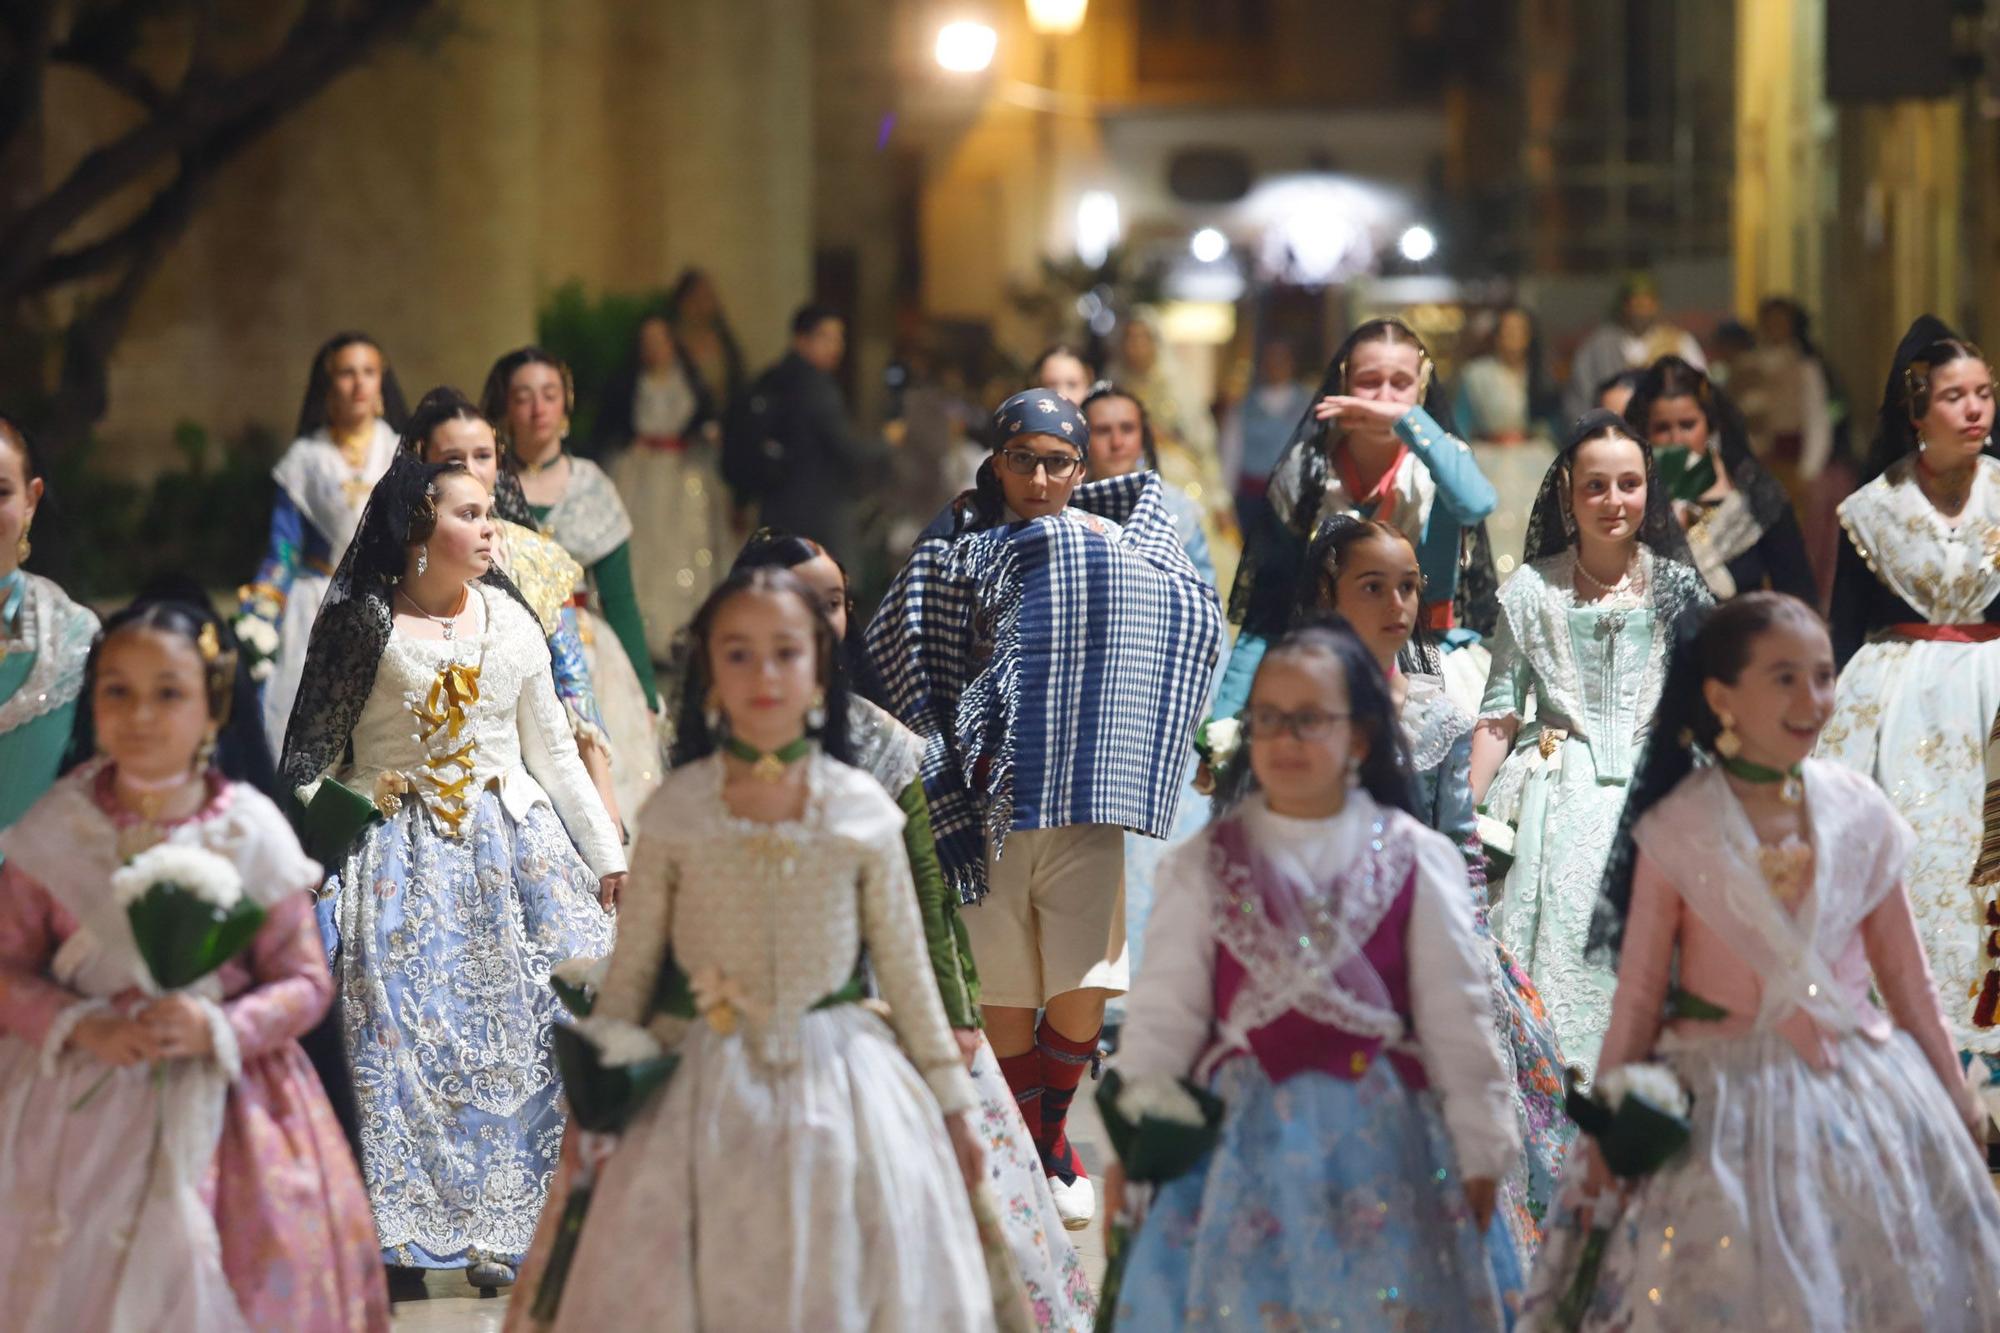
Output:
(222, 1038)
(59, 1031)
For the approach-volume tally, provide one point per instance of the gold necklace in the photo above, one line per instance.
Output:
(144, 800)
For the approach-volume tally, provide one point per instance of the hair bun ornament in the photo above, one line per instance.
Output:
(209, 645)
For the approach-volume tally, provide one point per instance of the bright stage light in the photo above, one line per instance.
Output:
(1417, 244)
(966, 48)
(1208, 245)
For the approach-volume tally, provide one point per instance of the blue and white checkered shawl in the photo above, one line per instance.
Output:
(1068, 656)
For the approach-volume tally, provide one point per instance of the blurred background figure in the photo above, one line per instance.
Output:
(1634, 336)
(1255, 432)
(1507, 407)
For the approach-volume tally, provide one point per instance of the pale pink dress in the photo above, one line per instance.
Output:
(297, 1246)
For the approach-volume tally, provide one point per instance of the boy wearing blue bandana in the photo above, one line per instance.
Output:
(1053, 645)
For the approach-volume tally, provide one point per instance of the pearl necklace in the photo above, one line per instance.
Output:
(1618, 589)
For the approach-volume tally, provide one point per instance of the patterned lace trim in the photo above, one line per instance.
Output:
(48, 617)
(1289, 972)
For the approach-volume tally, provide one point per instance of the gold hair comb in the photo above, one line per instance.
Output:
(208, 643)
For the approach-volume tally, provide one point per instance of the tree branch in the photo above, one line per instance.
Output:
(319, 47)
(114, 73)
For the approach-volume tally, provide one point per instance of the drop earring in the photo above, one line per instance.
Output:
(423, 560)
(711, 714)
(204, 754)
(816, 712)
(1727, 743)
(22, 546)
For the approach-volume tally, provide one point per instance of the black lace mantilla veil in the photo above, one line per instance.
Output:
(354, 626)
(1763, 493)
(1894, 435)
(1548, 529)
(1267, 582)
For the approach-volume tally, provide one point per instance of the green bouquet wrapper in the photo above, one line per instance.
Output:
(330, 825)
(1685, 475)
(1152, 1152)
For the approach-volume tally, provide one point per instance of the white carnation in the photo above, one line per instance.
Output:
(258, 635)
(619, 1043)
(1159, 1098)
(1224, 735)
(1656, 1084)
(200, 872)
(263, 670)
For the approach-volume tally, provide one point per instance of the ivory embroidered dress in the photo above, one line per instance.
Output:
(318, 509)
(794, 1172)
(1440, 739)
(1594, 669)
(1831, 1183)
(1360, 1077)
(248, 1212)
(1917, 706)
(44, 641)
(591, 523)
(443, 925)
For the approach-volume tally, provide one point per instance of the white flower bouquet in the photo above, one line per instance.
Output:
(1637, 1114)
(1217, 742)
(258, 639)
(188, 917)
(187, 910)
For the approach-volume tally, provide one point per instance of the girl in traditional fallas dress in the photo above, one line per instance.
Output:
(798, 1170)
(168, 1162)
(1367, 572)
(1312, 959)
(1832, 1180)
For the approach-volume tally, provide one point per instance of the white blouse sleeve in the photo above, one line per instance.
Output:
(1451, 1004)
(1171, 1006)
(548, 748)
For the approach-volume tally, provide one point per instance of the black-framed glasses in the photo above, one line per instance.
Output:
(1308, 724)
(1023, 462)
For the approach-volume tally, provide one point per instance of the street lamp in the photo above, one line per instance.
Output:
(1056, 18)
(966, 47)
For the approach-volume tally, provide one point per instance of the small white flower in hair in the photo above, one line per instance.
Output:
(1046, 404)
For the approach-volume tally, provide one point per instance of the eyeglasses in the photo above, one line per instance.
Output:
(1308, 724)
(1023, 462)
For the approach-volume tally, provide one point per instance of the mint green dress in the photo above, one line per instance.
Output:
(1594, 671)
(46, 640)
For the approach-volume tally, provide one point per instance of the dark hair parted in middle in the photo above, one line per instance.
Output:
(693, 737)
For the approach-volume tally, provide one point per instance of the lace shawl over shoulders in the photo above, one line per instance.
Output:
(590, 520)
(59, 632)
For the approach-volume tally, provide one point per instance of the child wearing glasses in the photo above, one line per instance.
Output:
(1312, 961)
(1053, 646)
(1367, 571)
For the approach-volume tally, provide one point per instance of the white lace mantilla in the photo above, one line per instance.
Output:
(884, 748)
(327, 491)
(589, 520)
(1948, 573)
(449, 718)
(1432, 722)
(58, 632)
(1292, 966)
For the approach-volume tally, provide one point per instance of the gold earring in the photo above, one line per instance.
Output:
(204, 754)
(1727, 743)
(22, 546)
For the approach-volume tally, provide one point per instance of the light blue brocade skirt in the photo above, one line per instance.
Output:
(1326, 1204)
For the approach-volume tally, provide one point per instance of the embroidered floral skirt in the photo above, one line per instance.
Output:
(1326, 1204)
(1527, 1195)
(819, 1195)
(441, 950)
(1050, 1271)
(1812, 1200)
